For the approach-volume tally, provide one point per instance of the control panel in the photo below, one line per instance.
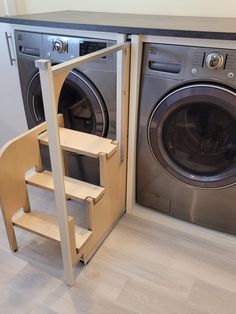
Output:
(211, 63)
(61, 48)
(186, 62)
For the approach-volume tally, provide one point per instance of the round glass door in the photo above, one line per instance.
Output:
(192, 134)
(80, 103)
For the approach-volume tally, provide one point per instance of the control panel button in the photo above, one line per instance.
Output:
(60, 45)
(214, 60)
(194, 71)
(230, 75)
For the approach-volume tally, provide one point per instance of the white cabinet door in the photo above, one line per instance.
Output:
(12, 115)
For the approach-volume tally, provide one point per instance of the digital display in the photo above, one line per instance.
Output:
(91, 46)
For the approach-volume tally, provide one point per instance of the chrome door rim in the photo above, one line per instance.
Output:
(217, 181)
(99, 106)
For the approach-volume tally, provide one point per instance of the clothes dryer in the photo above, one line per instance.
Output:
(186, 148)
(88, 96)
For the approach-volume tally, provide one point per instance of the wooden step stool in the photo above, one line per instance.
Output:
(104, 203)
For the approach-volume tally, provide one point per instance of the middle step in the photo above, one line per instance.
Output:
(74, 189)
(82, 143)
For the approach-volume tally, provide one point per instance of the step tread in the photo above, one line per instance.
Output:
(46, 225)
(82, 143)
(75, 189)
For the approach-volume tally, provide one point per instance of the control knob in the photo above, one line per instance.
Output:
(214, 60)
(60, 45)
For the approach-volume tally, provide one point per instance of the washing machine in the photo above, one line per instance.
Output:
(186, 145)
(88, 96)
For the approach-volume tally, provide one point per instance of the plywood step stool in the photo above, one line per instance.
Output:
(104, 203)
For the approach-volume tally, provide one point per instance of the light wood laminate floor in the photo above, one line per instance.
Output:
(144, 266)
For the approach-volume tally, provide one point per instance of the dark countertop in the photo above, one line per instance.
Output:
(178, 26)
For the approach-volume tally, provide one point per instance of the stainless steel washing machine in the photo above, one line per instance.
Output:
(186, 149)
(88, 96)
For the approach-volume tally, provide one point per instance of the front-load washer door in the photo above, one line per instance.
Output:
(80, 103)
(83, 109)
(192, 135)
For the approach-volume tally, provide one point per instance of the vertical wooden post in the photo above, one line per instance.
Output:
(120, 94)
(50, 108)
(135, 71)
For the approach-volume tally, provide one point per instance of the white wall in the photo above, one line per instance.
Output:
(8, 7)
(227, 8)
(2, 11)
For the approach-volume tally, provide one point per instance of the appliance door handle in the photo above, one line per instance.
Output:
(8, 37)
(166, 67)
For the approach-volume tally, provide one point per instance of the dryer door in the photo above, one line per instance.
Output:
(80, 102)
(192, 135)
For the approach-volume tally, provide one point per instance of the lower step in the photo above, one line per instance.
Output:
(74, 189)
(46, 226)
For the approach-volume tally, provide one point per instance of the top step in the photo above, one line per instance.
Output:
(82, 143)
